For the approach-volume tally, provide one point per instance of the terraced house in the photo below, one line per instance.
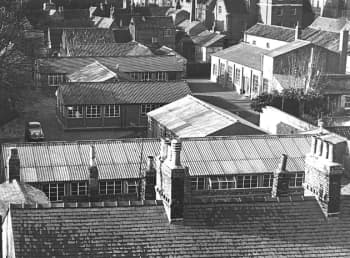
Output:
(227, 196)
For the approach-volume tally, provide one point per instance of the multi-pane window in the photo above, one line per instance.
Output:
(265, 85)
(93, 111)
(145, 108)
(79, 188)
(222, 182)
(237, 74)
(268, 180)
(222, 69)
(215, 69)
(296, 179)
(112, 111)
(55, 79)
(162, 76)
(247, 181)
(347, 102)
(229, 71)
(255, 83)
(197, 183)
(54, 192)
(75, 111)
(147, 76)
(131, 186)
(220, 9)
(110, 187)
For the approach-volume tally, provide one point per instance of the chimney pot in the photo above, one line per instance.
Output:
(283, 163)
(163, 148)
(169, 153)
(176, 151)
(150, 163)
(319, 147)
(297, 31)
(13, 166)
(343, 49)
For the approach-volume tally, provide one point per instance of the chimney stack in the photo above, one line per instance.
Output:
(343, 49)
(175, 153)
(93, 175)
(13, 166)
(280, 185)
(163, 149)
(193, 10)
(49, 38)
(149, 181)
(297, 32)
(111, 12)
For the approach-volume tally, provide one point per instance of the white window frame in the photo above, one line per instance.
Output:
(230, 73)
(154, 39)
(237, 76)
(145, 108)
(296, 179)
(162, 76)
(75, 111)
(112, 110)
(215, 69)
(197, 183)
(222, 182)
(93, 111)
(346, 102)
(294, 11)
(79, 188)
(269, 179)
(132, 184)
(54, 190)
(110, 187)
(255, 83)
(247, 181)
(53, 80)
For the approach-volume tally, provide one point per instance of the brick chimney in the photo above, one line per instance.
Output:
(171, 176)
(193, 10)
(149, 181)
(343, 50)
(324, 170)
(280, 186)
(13, 166)
(93, 175)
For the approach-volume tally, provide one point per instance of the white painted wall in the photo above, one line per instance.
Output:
(262, 42)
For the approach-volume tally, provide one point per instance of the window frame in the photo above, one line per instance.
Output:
(133, 184)
(58, 189)
(198, 183)
(269, 179)
(255, 83)
(97, 111)
(237, 76)
(147, 107)
(296, 179)
(71, 111)
(108, 111)
(81, 188)
(230, 73)
(54, 80)
(111, 187)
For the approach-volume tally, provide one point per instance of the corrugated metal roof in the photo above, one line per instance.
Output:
(69, 161)
(95, 72)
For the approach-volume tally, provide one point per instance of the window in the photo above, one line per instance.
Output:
(220, 9)
(254, 42)
(112, 111)
(268, 180)
(215, 69)
(279, 11)
(132, 186)
(79, 188)
(237, 75)
(162, 76)
(75, 111)
(267, 45)
(255, 83)
(294, 11)
(222, 183)
(55, 79)
(154, 39)
(145, 76)
(296, 179)
(110, 187)
(197, 183)
(230, 76)
(93, 111)
(222, 69)
(145, 108)
(347, 102)
(265, 85)
(54, 192)
(247, 181)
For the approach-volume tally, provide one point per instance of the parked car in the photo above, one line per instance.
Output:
(34, 132)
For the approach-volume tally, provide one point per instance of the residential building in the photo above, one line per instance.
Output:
(192, 117)
(114, 104)
(53, 71)
(153, 30)
(251, 70)
(164, 50)
(208, 195)
(287, 13)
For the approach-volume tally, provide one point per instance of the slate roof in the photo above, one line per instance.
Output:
(340, 130)
(69, 161)
(288, 48)
(207, 38)
(14, 192)
(66, 65)
(102, 22)
(330, 24)
(110, 49)
(123, 92)
(192, 28)
(191, 117)
(326, 39)
(88, 35)
(94, 72)
(244, 54)
(295, 228)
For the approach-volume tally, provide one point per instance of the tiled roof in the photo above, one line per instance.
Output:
(88, 35)
(192, 28)
(94, 72)
(340, 130)
(102, 22)
(288, 48)
(207, 38)
(330, 24)
(244, 54)
(69, 161)
(153, 22)
(295, 228)
(19, 193)
(326, 39)
(127, 64)
(191, 117)
(110, 49)
(123, 92)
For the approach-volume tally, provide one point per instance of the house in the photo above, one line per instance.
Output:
(287, 13)
(270, 37)
(191, 117)
(153, 30)
(251, 70)
(53, 71)
(212, 200)
(330, 24)
(164, 50)
(113, 104)
(109, 49)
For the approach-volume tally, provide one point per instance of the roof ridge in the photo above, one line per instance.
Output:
(102, 204)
